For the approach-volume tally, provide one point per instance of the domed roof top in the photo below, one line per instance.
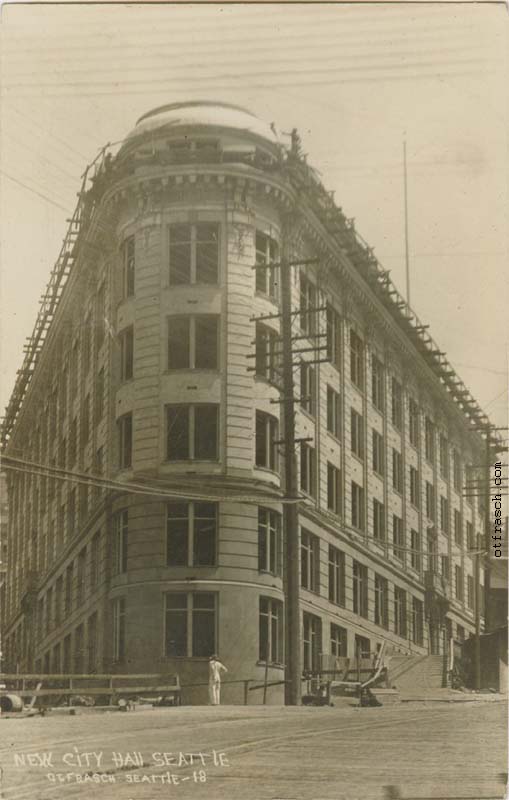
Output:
(204, 113)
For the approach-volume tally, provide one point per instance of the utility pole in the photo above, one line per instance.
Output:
(293, 658)
(407, 257)
(477, 603)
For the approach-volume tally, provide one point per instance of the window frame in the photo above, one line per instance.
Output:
(193, 426)
(334, 426)
(190, 622)
(192, 516)
(357, 360)
(193, 343)
(193, 242)
(269, 542)
(357, 434)
(337, 576)
(309, 561)
(358, 510)
(274, 631)
(266, 433)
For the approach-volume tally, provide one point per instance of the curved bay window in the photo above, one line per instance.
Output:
(190, 629)
(194, 253)
(191, 531)
(192, 432)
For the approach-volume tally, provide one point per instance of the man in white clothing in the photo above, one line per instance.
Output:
(215, 669)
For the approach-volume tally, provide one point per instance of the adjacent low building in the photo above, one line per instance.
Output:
(150, 537)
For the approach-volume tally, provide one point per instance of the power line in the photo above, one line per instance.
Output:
(34, 191)
(239, 75)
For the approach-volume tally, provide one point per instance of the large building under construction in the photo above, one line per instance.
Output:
(144, 439)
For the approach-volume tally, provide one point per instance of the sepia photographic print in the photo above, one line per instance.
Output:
(254, 391)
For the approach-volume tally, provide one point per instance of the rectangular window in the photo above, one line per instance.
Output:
(49, 610)
(121, 522)
(192, 432)
(118, 607)
(308, 469)
(458, 582)
(338, 641)
(456, 470)
(336, 576)
(73, 442)
(99, 396)
(308, 312)
(378, 453)
(429, 440)
(356, 360)
(194, 253)
(94, 559)
(333, 412)
(271, 638)
(333, 336)
(333, 489)
(470, 536)
(458, 528)
(267, 252)
(71, 513)
(357, 433)
(59, 594)
(415, 554)
(413, 422)
(470, 591)
(126, 341)
(100, 317)
(357, 506)
(193, 342)
(308, 388)
(378, 521)
(85, 421)
(86, 350)
(312, 642)
(377, 384)
(92, 642)
(415, 489)
(417, 621)
(269, 541)
(125, 441)
(80, 577)
(397, 404)
(360, 589)
(267, 356)
(68, 588)
(309, 561)
(400, 626)
(397, 537)
(397, 471)
(128, 267)
(445, 566)
(267, 433)
(79, 649)
(444, 514)
(191, 534)
(430, 501)
(74, 370)
(381, 601)
(444, 457)
(190, 624)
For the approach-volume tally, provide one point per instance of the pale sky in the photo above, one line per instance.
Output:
(355, 80)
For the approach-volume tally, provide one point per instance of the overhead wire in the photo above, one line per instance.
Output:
(46, 470)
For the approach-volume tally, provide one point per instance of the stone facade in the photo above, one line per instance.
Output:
(181, 553)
